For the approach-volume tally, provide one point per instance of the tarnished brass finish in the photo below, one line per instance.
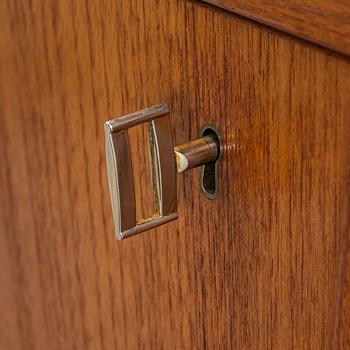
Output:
(210, 170)
(195, 153)
(166, 162)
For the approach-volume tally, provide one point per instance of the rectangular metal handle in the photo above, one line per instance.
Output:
(120, 170)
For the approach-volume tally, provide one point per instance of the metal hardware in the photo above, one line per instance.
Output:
(210, 170)
(195, 153)
(165, 163)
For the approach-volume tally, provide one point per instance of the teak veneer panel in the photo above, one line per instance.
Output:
(263, 266)
(325, 22)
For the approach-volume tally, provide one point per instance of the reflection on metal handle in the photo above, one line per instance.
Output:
(197, 152)
(165, 163)
(120, 173)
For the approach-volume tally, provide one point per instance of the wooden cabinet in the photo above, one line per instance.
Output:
(264, 266)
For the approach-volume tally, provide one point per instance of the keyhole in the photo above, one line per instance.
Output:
(209, 173)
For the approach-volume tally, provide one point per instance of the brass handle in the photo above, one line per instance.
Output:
(165, 163)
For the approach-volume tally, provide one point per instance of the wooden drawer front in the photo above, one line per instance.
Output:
(263, 266)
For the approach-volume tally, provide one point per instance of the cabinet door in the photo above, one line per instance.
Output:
(262, 266)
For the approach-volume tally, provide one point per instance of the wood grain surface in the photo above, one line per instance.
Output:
(342, 337)
(324, 22)
(265, 266)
